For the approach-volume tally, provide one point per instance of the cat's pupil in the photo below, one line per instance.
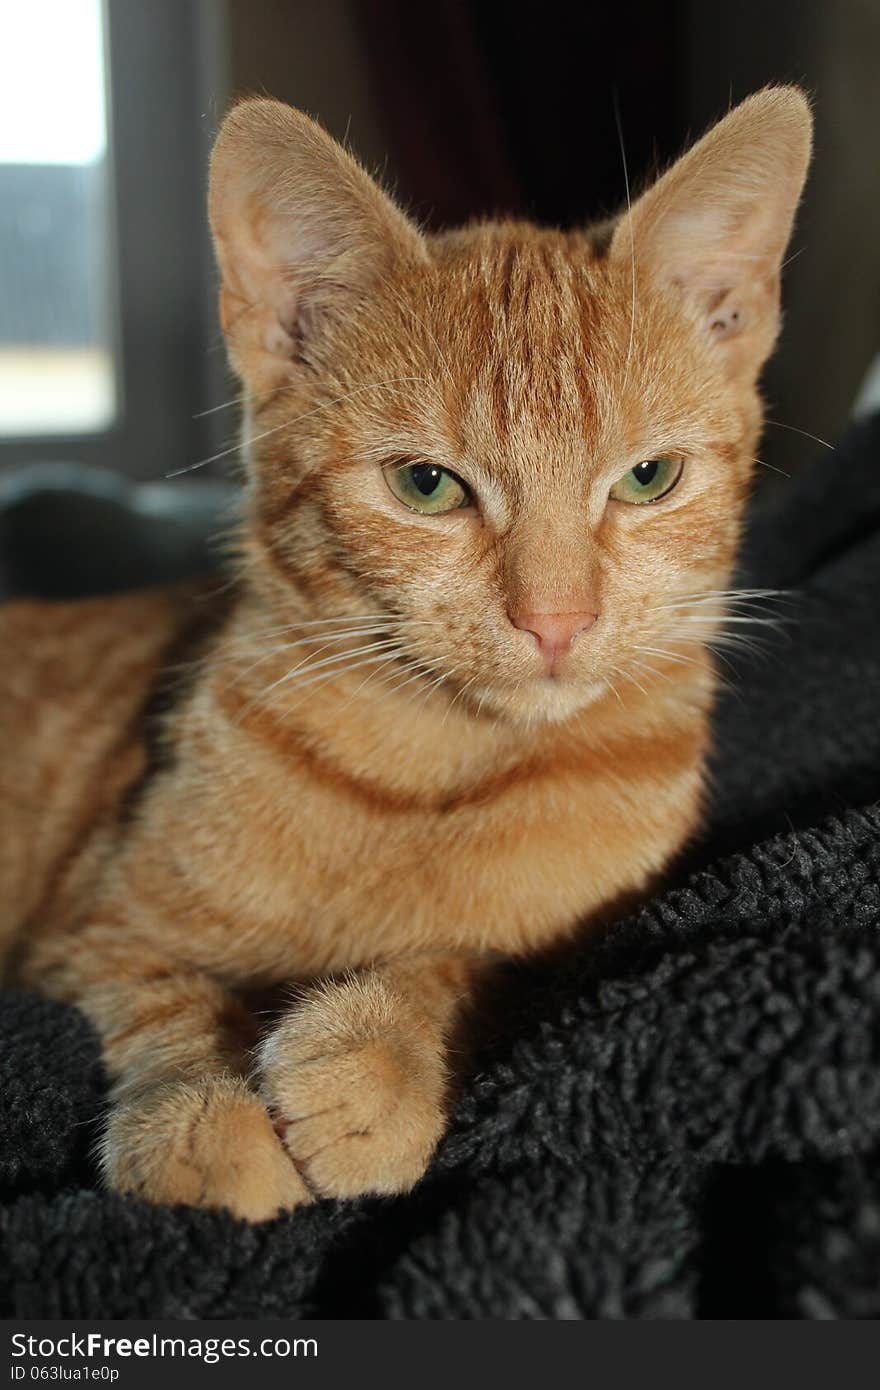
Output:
(426, 477)
(645, 473)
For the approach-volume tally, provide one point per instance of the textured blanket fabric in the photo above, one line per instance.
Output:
(681, 1120)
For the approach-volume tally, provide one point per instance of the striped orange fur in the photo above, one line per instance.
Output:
(370, 778)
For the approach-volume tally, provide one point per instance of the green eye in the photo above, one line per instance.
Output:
(648, 482)
(423, 487)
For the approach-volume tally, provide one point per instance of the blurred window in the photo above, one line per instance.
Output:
(58, 373)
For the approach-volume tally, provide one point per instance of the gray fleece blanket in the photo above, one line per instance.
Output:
(680, 1120)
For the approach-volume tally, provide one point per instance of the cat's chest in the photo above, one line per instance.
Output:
(327, 875)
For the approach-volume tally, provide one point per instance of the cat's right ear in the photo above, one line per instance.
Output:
(301, 232)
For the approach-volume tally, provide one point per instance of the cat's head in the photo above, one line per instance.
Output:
(521, 450)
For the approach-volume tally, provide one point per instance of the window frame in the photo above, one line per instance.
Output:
(166, 92)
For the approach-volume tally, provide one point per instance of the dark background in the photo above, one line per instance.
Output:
(477, 108)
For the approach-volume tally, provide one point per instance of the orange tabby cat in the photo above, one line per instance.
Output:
(458, 702)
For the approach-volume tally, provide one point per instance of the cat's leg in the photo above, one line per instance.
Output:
(183, 1124)
(355, 1074)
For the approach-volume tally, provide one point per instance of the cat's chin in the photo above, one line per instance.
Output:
(542, 701)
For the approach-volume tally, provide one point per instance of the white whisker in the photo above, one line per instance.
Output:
(240, 400)
(671, 656)
(773, 468)
(455, 697)
(777, 424)
(338, 660)
(404, 669)
(323, 622)
(652, 670)
(613, 689)
(289, 424)
(326, 639)
(339, 671)
(440, 680)
(726, 596)
(628, 675)
(393, 659)
(632, 244)
(420, 667)
(616, 671)
(380, 622)
(679, 659)
(725, 618)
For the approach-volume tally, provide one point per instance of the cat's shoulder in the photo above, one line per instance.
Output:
(49, 648)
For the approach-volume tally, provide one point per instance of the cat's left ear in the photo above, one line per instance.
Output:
(715, 227)
(301, 233)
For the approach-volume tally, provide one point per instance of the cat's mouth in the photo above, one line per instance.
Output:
(543, 697)
(561, 695)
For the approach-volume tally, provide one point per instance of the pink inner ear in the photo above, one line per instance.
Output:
(283, 334)
(725, 324)
(278, 340)
(723, 321)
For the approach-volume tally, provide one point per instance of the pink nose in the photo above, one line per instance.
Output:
(555, 633)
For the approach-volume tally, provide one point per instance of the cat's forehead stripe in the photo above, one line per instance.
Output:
(525, 328)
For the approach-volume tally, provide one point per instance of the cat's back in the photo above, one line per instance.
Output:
(75, 681)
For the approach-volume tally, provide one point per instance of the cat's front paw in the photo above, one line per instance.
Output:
(354, 1079)
(207, 1143)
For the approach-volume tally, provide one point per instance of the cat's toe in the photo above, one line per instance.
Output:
(357, 1116)
(203, 1144)
(358, 1122)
